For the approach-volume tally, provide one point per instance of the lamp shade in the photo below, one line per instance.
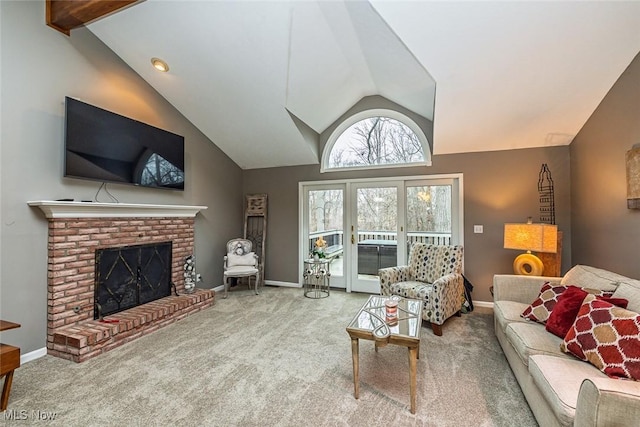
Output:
(531, 237)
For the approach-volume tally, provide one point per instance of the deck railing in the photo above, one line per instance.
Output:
(335, 237)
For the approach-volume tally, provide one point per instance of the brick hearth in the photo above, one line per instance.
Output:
(72, 333)
(90, 338)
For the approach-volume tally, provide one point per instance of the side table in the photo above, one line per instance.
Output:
(316, 278)
(9, 361)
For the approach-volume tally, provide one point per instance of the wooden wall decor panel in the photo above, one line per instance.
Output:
(65, 15)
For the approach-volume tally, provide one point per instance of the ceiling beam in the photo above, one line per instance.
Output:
(65, 15)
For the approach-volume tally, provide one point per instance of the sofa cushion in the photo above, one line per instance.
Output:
(630, 291)
(606, 336)
(506, 312)
(529, 338)
(566, 310)
(559, 381)
(585, 276)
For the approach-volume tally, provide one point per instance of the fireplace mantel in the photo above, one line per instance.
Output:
(59, 209)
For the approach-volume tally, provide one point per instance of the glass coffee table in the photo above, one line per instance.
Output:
(369, 324)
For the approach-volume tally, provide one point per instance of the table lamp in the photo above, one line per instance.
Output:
(530, 237)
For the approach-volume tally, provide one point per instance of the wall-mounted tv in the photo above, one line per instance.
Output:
(105, 146)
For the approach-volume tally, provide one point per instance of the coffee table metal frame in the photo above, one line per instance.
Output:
(369, 324)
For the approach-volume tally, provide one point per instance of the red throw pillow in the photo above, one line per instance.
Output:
(566, 309)
(606, 336)
(542, 307)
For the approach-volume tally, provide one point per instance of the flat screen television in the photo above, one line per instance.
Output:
(104, 146)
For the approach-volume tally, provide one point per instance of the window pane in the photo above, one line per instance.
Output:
(326, 223)
(429, 214)
(376, 141)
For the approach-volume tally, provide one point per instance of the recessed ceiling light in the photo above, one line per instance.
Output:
(159, 65)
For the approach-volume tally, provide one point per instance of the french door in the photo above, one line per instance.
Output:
(371, 224)
(376, 219)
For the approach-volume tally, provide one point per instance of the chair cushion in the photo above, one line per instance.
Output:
(240, 270)
(236, 260)
(430, 262)
(411, 289)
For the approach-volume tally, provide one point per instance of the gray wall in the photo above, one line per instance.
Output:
(499, 187)
(605, 233)
(39, 68)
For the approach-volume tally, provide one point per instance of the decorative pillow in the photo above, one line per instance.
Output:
(541, 308)
(246, 259)
(606, 336)
(565, 311)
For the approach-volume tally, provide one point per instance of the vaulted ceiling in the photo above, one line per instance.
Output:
(507, 75)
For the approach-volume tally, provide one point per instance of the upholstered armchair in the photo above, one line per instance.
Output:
(240, 261)
(434, 275)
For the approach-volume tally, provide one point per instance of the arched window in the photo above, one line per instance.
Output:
(375, 139)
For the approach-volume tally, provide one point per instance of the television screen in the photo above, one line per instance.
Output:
(105, 146)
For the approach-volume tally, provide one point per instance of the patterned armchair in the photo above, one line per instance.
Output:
(434, 275)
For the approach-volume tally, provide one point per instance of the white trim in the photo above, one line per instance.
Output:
(362, 115)
(457, 205)
(389, 178)
(58, 209)
(485, 304)
(33, 355)
(282, 284)
(266, 282)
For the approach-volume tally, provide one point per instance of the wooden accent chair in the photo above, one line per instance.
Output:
(240, 261)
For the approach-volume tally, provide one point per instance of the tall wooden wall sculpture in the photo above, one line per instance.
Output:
(255, 226)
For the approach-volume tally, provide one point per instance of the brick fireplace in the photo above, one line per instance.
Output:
(76, 231)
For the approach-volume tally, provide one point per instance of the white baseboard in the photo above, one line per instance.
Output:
(266, 282)
(487, 304)
(282, 284)
(33, 355)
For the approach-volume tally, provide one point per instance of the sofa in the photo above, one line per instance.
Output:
(561, 389)
(434, 275)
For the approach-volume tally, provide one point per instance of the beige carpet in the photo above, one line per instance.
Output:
(277, 359)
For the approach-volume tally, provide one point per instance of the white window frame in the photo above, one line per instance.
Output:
(378, 112)
(457, 206)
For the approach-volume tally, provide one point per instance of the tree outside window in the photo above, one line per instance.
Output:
(376, 141)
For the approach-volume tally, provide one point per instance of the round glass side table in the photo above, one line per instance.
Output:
(316, 278)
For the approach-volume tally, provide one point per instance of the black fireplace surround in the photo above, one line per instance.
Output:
(130, 276)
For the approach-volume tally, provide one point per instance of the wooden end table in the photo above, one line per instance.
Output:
(369, 324)
(9, 362)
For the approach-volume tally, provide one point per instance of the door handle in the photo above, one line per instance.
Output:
(353, 241)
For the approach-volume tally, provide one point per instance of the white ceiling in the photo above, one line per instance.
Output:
(508, 74)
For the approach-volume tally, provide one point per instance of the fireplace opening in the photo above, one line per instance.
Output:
(130, 276)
